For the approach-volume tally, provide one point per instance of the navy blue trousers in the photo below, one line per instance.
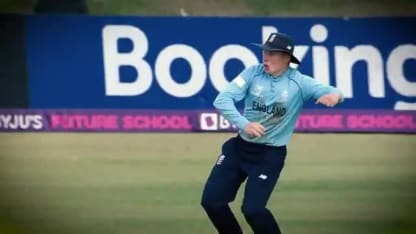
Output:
(241, 160)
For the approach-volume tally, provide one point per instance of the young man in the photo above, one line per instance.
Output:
(273, 94)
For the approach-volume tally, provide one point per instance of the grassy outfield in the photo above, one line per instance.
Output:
(236, 7)
(151, 183)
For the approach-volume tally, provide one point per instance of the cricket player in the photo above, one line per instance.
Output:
(274, 94)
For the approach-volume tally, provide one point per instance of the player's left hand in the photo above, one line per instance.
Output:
(329, 100)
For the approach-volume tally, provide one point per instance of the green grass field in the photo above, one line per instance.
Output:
(338, 8)
(151, 183)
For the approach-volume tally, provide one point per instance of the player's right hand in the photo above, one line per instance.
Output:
(254, 129)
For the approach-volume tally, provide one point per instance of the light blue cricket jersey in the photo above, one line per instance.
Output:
(274, 102)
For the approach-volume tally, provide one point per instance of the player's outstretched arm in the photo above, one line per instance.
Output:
(322, 94)
(329, 100)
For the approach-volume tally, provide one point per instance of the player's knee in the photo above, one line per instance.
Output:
(206, 200)
(210, 199)
(210, 204)
(212, 208)
(207, 203)
(251, 212)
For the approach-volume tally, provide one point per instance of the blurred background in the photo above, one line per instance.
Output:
(83, 174)
(260, 8)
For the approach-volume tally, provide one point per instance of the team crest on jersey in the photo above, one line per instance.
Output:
(284, 95)
(258, 89)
